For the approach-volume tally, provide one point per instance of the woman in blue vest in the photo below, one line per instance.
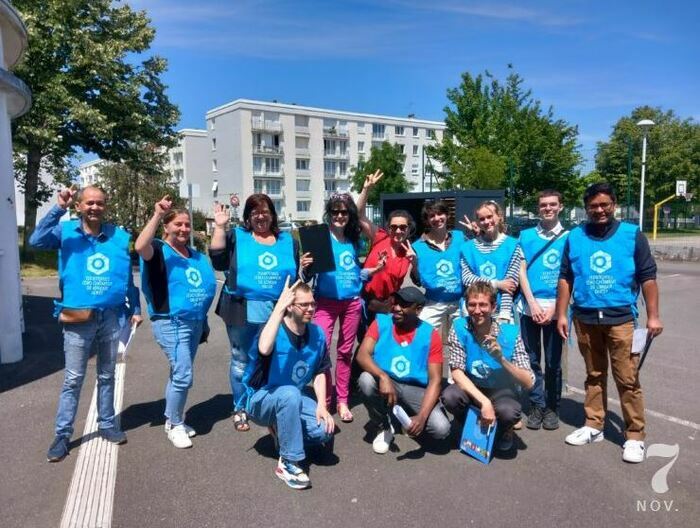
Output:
(493, 257)
(257, 259)
(179, 284)
(338, 292)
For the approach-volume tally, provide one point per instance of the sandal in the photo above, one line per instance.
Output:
(344, 413)
(240, 421)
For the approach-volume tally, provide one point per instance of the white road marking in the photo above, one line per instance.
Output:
(91, 494)
(655, 414)
(670, 276)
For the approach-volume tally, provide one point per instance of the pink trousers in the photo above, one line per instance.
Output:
(328, 311)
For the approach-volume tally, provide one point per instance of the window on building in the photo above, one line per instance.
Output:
(400, 147)
(274, 187)
(258, 186)
(302, 143)
(415, 131)
(257, 164)
(303, 185)
(303, 206)
(301, 120)
(329, 168)
(343, 168)
(214, 165)
(360, 146)
(415, 150)
(329, 185)
(361, 127)
(212, 123)
(329, 147)
(213, 143)
(429, 133)
(272, 165)
(303, 164)
(343, 146)
(177, 173)
(399, 131)
(278, 207)
(414, 169)
(378, 130)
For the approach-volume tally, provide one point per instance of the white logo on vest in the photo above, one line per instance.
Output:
(444, 268)
(299, 371)
(347, 261)
(488, 270)
(601, 261)
(267, 261)
(480, 369)
(98, 264)
(552, 259)
(400, 366)
(194, 277)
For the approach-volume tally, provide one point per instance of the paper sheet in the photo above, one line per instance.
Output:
(639, 340)
(125, 338)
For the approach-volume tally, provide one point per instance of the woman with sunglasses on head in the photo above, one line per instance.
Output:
(257, 259)
(392, 246)
(493, 257)
(179, 284)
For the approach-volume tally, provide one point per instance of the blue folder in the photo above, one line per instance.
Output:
(477, 439)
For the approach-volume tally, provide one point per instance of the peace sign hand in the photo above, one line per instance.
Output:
(410, 253)
(372, 179)
(469, 225)
(220, 215)
(164, 205)
(287, 296)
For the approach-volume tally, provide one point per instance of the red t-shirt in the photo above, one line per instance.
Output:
(386, 282)
(435, 355)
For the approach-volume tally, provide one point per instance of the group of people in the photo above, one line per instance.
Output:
(483, 301)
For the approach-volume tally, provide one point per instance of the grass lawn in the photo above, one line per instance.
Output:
(42, 264)
(678, 233)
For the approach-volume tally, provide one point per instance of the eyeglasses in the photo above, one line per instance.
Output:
(398, 227)
(306, 306)
(340, 212)
(261, 213)
(604, 206)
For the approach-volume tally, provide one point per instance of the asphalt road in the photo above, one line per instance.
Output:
(227, 478)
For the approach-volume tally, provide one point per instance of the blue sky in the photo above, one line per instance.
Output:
(592, 61)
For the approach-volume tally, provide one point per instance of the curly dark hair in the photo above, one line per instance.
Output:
(352, 229)
(256, 200)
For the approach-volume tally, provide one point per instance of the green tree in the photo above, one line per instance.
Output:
(490, 124)
(91, 91)
(388, 159)
(673, 153)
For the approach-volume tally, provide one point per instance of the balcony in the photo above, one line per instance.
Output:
(303, 152)
(335, 131)
(262, 173)
(305, 173)
(267, 149)
(266, 125)
(337, 155)
(302, 130)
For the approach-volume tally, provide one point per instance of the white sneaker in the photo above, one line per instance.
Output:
(584, 435)
(178, 436)
(190, 432)
(633, 451)
(382, 442)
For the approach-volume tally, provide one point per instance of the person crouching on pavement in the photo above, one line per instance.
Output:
(488, 360)
(288, 353)
(402, 361)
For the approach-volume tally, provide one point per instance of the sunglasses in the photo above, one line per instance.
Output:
(339, 212)
(399, 227)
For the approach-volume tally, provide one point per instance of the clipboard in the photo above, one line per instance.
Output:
(316, 239)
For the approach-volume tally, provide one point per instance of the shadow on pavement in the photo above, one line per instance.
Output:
(43, 345)
(571, 413)
(203, 416)
(138, 414)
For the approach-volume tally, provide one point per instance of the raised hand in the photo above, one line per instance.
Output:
(410, 254)
(287, 296)
(66, 197)
(372, 179)
(493, 347)
(221, 217)
(469, 225)
(306, 260)
(164, 205)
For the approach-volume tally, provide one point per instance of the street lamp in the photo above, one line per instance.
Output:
(645, 125)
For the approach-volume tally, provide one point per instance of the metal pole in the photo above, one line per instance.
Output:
(641, 191)
(189, 206)
(511, 192)
(422, 169)
(629, 176)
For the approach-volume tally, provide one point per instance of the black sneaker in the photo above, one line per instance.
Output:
(550, 420)
(58, 449)
(113, 435)
(534, 418)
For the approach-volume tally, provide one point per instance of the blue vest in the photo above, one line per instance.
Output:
(543, 274)
(344, 282)
(492, 265)
(261, 270)
(289, 365)
(480, 366)
(94, 273)
(604, 270)
(191, 284)
(405, 364)
(440, 270)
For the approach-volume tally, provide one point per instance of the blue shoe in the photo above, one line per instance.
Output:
(113, 435)
(58, 449)
(292, 475)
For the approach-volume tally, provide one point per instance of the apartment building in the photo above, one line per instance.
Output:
(300, 155)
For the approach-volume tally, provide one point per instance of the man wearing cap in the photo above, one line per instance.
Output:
(402, 361)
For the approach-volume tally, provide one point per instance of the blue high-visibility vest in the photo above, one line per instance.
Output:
(261, 270)
(94, 271)
(604, 270)
(543, 274)
(408, 362)
(191, 284)
(493, 265)
(343, 283)
(440, 270)
(480, 366)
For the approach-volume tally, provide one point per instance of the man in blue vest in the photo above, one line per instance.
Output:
(95, 280)
(402, 361)
(539, 273)
(604, 265)
(288, 354)
(488, 362)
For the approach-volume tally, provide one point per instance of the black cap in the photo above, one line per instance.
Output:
(411, 294)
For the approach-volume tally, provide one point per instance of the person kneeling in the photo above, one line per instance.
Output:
(402, 361)
(291, 351)
(487, 359)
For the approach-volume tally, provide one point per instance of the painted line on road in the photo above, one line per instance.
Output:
(670, 276)
(655, 414)
(90, 498)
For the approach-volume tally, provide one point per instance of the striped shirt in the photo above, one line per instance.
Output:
(458, 354)
(513, 272)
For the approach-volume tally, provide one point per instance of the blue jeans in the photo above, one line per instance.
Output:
(546, 391)
(241, 339)
(103, 328)
(179, 340)
(294, 416)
